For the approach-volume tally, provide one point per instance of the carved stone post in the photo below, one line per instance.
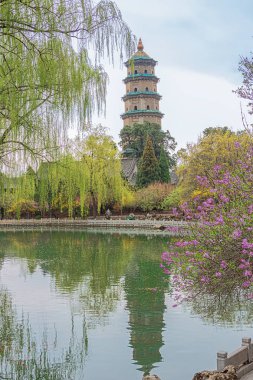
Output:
(221, 360)
(247, 342)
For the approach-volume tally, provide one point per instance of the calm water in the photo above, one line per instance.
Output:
(85, 305)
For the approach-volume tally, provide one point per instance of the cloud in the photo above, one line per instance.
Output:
(198, 45)
(207, 36)
(194, 101)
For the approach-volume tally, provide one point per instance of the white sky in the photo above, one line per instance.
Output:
(198, 44)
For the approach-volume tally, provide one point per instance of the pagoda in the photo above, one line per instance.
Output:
(141, 98)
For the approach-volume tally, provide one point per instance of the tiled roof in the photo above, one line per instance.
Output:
(136, 112)
(129, 169)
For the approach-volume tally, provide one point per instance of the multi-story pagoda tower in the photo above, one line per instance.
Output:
(141, 98)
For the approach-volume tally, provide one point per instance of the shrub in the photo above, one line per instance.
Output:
(152, 197)
(22, 207)
(173, 199)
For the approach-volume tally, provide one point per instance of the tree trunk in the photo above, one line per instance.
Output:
(94, 205)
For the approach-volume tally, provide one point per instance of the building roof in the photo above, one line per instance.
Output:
(142, 112)
(129, 169)
(138, 94)
(140, 52)
(141, 56)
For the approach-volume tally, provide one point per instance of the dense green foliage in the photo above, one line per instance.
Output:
(148, 169)
(89, 179)
(164, 167)
(134, 137)
(47, 79)
(173, 199)
(216, 146)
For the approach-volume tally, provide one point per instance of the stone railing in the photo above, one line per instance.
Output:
(242, 358)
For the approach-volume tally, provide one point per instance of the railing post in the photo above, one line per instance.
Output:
(221, 360)
(247, 342)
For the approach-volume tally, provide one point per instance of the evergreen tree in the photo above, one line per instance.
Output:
(149, 170)
(134, 137)
(164, 167)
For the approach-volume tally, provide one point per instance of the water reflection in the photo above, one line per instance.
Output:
(145, 289)
(88, 280)
(23, 358)
(231, 308)
(97, 271)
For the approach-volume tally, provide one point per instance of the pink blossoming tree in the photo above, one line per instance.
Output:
(217, 256)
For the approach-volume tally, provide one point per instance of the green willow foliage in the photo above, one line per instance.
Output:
(47, 80)
(93, 178)
(88, 178)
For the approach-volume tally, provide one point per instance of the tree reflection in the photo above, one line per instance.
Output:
(227, 308)
(98, 269)
(23, 358)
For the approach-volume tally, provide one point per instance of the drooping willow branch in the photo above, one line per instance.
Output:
(47, 80)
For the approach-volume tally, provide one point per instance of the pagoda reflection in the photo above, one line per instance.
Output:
(145, 289)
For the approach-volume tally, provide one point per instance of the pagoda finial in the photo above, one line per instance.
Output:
(140, 45)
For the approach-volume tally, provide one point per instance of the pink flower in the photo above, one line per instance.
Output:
(205, 279)
(237, 233)
(246, 244)
(246, 284)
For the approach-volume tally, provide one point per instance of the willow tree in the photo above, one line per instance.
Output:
(100, 172)
(89, 177)
(47, 79)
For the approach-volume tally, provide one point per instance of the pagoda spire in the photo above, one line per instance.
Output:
(140, 45)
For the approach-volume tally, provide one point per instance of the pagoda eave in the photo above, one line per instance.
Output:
(140, 77)
(144, 61)
(134, 113)
(144, 94)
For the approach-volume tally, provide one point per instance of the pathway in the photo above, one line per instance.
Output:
(249, 376)
(174, 227)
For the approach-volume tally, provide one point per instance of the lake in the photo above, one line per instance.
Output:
(91, 305)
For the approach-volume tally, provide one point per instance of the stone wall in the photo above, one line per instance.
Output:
(141, 103)
(141, 69)
(141, 85)
(130, 120)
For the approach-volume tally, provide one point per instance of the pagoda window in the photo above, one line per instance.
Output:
(135, 71)
(146, 88)
(148, 108)
(135, 90)
(135, 108)
(146, 71)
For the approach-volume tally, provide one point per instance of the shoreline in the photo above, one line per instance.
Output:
(172, 228)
